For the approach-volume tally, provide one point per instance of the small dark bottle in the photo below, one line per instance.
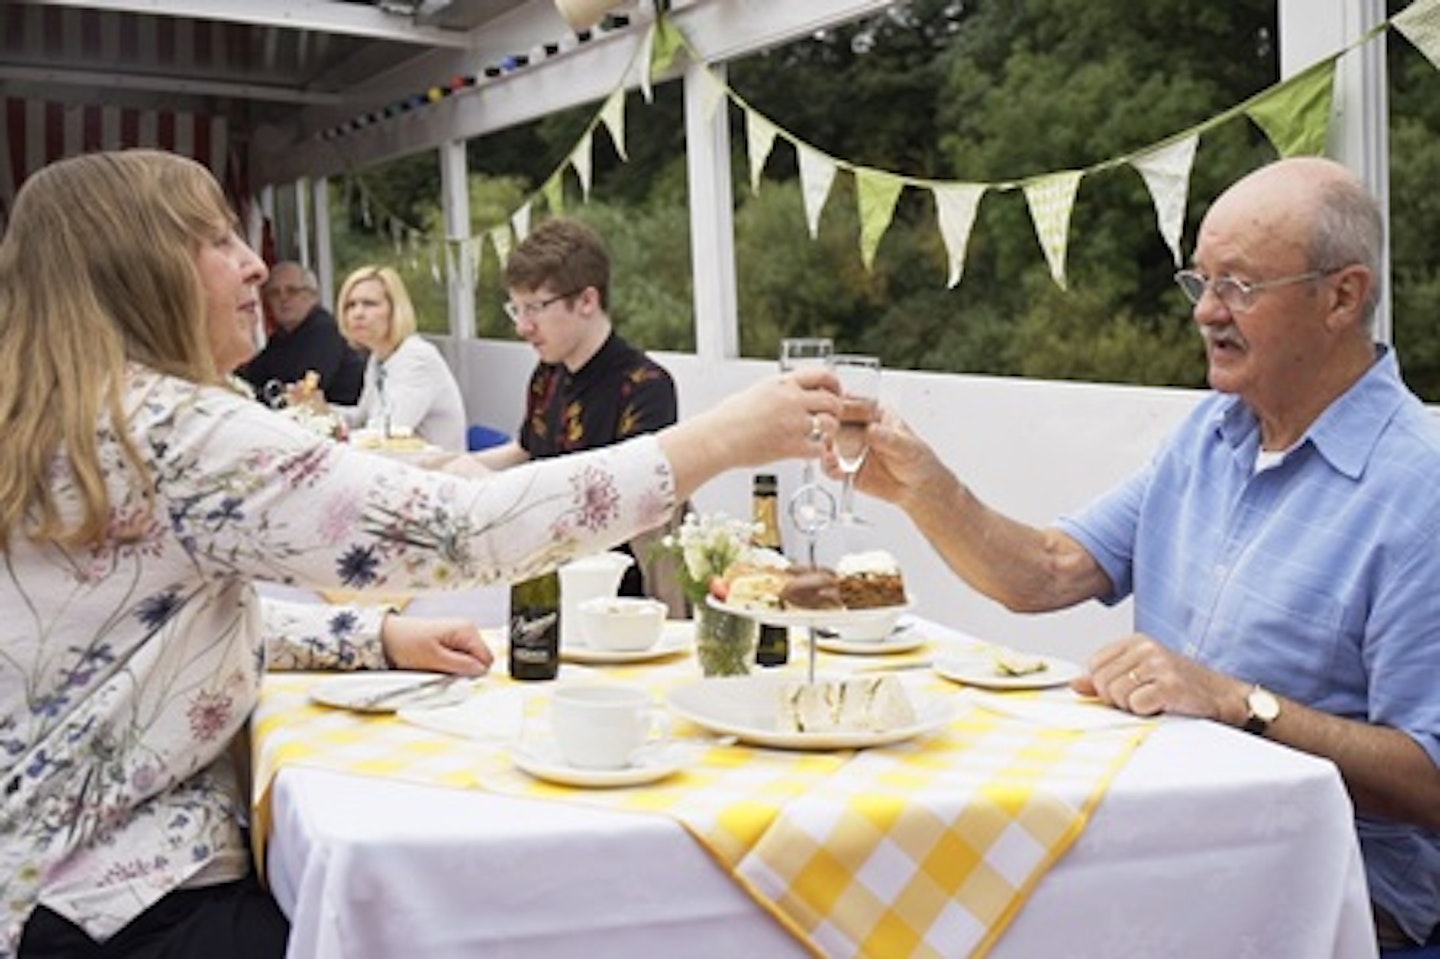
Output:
(773, 646)
(535, 627)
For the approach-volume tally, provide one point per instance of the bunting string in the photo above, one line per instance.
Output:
(1293, 114)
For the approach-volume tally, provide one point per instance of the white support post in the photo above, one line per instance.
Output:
(460, 272)
(1311, 30)
(302, 221)
(324, 251)
(712, 222)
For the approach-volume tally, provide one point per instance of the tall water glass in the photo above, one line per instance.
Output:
(860, 406)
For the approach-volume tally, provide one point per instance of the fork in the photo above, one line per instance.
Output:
(425, 688)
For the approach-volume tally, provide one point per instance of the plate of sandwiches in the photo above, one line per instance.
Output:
(854, 712)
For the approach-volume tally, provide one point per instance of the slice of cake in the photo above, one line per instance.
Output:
(811, 588)
(858, 704)
(869, 580)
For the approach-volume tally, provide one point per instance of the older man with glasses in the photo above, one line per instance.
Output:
(1282, 547)
(306, 339)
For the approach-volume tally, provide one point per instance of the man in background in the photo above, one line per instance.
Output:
(590, 388)
(306, 339)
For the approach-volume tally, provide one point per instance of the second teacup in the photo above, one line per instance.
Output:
(599, 726)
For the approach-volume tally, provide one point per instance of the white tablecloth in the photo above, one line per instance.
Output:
(1209, 843)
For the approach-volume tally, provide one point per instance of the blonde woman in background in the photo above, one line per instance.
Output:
(141, 497)
(408, 384)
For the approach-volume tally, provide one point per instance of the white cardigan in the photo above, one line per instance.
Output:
(415, 385)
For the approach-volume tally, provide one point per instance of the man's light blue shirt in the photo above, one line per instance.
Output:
(1318, 578)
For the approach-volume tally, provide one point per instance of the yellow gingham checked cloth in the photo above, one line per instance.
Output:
(924, 848)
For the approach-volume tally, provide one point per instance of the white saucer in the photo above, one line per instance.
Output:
(649, 765)
(900, 641)
(675, 639)
(978, 668)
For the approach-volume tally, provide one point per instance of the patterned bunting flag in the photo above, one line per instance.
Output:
(878, 192)
(500, 239)
(1296, 115)
(712, 91)
(760, 138)
(580, 159)
(1051, 199)
(1166, 172)
(613, 115)
(955, 208)
(1420, 23)
(520, 221)
(817, 173)
(666, 43)
(554, 192)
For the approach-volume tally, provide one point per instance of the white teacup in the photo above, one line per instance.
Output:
(599, 726)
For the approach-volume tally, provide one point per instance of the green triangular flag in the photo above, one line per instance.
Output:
(554, 192)
(1296, 114)
(666, 43)
(878, 192)
(1051, 200)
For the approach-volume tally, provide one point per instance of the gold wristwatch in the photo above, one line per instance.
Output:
(1263, 709)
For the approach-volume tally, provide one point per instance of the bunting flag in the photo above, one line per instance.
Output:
(955, 207)
(1420, 24)
(817, 173)
(520, 221)
(877, 192)
(580, 159)
(554, 192)
(759, 138)
(1051, 199)
(1296, 114)
(500, 240)
(665, 43)
(1166, 172)
(613, 116)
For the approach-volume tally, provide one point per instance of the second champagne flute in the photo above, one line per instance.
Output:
(860, 406)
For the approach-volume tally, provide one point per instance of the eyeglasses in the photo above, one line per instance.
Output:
(1238, 295)
(528, 311)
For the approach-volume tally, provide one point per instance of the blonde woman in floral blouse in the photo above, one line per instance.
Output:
(139, 499)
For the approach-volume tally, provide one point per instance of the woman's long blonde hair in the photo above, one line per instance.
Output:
(97, 269)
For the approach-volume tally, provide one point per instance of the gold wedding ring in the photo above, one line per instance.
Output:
(815, 435)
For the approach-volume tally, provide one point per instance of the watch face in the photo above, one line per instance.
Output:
(1264, 707)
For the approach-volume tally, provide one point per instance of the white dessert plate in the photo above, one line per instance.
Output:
(391, 690)
(650, 764)
(745, 707)
(830, 618)
(901, 640)
(675, 639)
(977, 668)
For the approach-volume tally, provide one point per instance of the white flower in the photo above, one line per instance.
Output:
(709, 545)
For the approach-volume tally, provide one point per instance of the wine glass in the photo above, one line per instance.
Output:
(860, 406)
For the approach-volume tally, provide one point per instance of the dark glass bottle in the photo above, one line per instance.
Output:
(535, 627)
(773, 646)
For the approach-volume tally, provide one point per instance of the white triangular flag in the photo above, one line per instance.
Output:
(613, 113)
(580, 159)
(817, 173)
(759, 138)
(500, 239)
(642, 63)
(1420, 23)
(955, 208)
(520, 221)
(1166, 172)
(1051, 199)
(470, 250)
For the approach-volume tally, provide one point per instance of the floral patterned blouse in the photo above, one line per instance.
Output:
(126, 670)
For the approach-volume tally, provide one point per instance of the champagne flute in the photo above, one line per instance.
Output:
(797, 352)
(860, 406)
